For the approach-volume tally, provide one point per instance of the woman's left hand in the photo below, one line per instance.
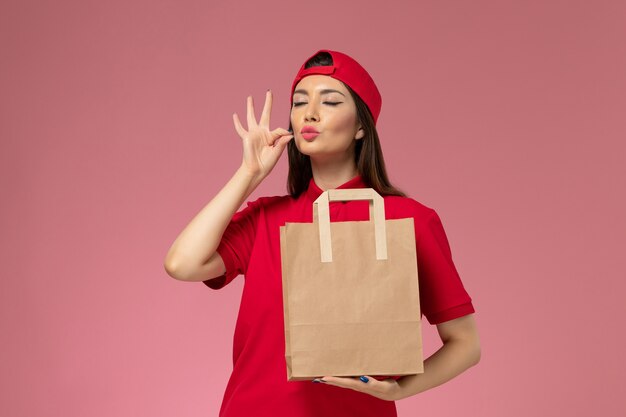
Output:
(387, 389)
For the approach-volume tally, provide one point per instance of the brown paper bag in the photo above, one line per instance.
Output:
(350, 293)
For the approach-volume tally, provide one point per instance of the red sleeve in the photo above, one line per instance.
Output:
(236, 244)
(442, 294)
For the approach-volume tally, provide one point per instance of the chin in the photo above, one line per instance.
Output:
(312, 151)
(308, 147)
(315, 149)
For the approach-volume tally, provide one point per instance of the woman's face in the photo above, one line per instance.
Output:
(324, 104)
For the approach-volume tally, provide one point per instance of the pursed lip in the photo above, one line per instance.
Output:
(309, 129)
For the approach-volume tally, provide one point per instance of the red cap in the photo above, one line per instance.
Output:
(352, 74)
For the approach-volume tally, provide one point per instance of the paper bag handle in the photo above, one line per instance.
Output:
(321, 215)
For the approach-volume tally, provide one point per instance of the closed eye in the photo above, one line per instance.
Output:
(331, 103)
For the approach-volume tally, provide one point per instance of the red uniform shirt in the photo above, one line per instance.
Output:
(250, 245)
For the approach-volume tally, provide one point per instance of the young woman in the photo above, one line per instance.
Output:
(332, 143)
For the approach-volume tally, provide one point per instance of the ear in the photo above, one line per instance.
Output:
(360, 133)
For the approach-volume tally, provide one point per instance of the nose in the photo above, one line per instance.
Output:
(310, 112)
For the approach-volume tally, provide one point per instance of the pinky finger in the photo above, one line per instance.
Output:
(238, 127)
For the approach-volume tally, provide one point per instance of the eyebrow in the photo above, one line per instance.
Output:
(325, 91)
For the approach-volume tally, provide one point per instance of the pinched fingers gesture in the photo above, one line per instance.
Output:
(261, 146)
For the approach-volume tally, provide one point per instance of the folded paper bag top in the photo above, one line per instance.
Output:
(350, 293)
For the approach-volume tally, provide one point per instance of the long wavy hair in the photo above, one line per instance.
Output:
(368, 154)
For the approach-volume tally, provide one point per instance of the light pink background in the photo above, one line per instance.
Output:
(507, 117)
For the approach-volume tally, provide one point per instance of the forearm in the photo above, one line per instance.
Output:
(201, 237)
(453, 358)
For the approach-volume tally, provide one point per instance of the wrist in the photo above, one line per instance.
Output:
(408, 386)
(250, 176)
(399, 394)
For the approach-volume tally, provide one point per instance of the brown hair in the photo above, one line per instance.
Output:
(368, 154)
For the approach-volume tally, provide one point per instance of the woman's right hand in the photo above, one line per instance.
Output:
(261, 147)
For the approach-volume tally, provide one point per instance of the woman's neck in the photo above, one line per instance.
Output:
(331, 175)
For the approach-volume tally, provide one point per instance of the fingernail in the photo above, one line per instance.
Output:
(316, 380)
(364, 379)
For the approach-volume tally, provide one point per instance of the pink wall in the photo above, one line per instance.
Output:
(506, 117)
